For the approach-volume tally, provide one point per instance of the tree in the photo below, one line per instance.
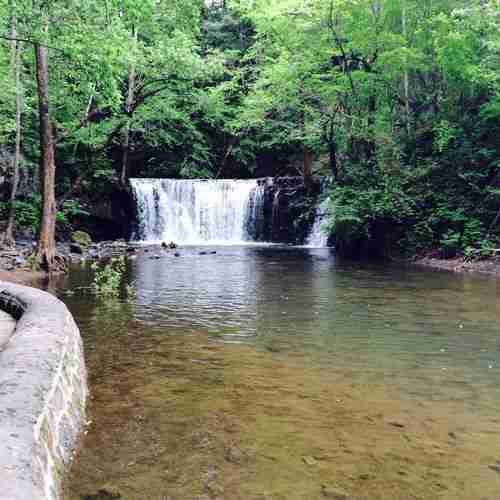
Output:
(15, 67)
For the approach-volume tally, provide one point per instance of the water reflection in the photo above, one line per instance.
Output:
(230, 374)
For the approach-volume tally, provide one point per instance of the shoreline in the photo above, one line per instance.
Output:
(486, 267)
(23, 276)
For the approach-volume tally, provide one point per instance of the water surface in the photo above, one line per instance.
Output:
(280, 373)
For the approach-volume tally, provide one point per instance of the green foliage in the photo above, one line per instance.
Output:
(28, 212)
(82, 238)
(108, 277)
(398, 101)
(72, 208)
(378, 210)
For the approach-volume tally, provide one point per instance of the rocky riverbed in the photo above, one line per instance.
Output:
(489, 266)
(18, 258)
(16, 263)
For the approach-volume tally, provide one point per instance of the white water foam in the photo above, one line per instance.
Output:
(194, 212)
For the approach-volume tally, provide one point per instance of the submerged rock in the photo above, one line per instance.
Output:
(334, 493)
(495, 467)
(309, 460)
(234, 455)
(103, 494)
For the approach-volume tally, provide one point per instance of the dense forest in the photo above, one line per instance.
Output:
(395, 102)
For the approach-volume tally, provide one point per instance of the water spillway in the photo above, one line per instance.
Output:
(223, 211)
(197, 211)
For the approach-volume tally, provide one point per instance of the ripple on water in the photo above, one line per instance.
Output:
(268, 373)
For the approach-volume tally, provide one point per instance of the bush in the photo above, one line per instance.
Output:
(108, 277)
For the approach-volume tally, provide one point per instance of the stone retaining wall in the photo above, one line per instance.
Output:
(43, 388)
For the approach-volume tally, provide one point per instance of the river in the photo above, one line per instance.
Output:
(273, 373)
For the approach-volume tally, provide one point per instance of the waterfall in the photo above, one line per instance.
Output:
(318, 237)
(255, 212)
(197, 211)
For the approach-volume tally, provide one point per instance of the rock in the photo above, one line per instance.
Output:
(164, 245)
(234, 455)
(334, 493)
(203, 253)
(177, 254)
(399, 425)
(215, 489)
(81, 238)
(213, 252)
(155, 257)
(75, 248)
(131, 250)
(103, 494)
(495, 467)
(172, 245)
(309, 460)
(20, 261)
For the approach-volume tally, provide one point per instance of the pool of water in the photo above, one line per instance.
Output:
(268, 373)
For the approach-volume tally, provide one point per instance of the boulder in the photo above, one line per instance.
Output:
(75, 248)
(81, 238)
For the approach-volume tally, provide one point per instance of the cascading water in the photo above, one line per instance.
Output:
(255, 212)
(197, 211)
(318, 237)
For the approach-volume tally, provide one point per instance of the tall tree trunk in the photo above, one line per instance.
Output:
(307, 155)
(329, 139)
(333, 160)
(128, 108)
(406, 79)
(369, 143)
(16, 71)
(307, 168)
(46, 248)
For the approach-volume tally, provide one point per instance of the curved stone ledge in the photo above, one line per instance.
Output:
(43, 388)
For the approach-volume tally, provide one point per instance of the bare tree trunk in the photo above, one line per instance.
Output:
(406, 80)
(332, 150)
(307, 156)
(307, 168)
(128, 108)
(46, 247)
(8, 238)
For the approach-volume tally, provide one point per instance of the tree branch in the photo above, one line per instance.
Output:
(31, 42)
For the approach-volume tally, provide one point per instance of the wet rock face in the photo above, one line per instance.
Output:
(29, 178)
(42, 401)
(288, 209)
(111, 215)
